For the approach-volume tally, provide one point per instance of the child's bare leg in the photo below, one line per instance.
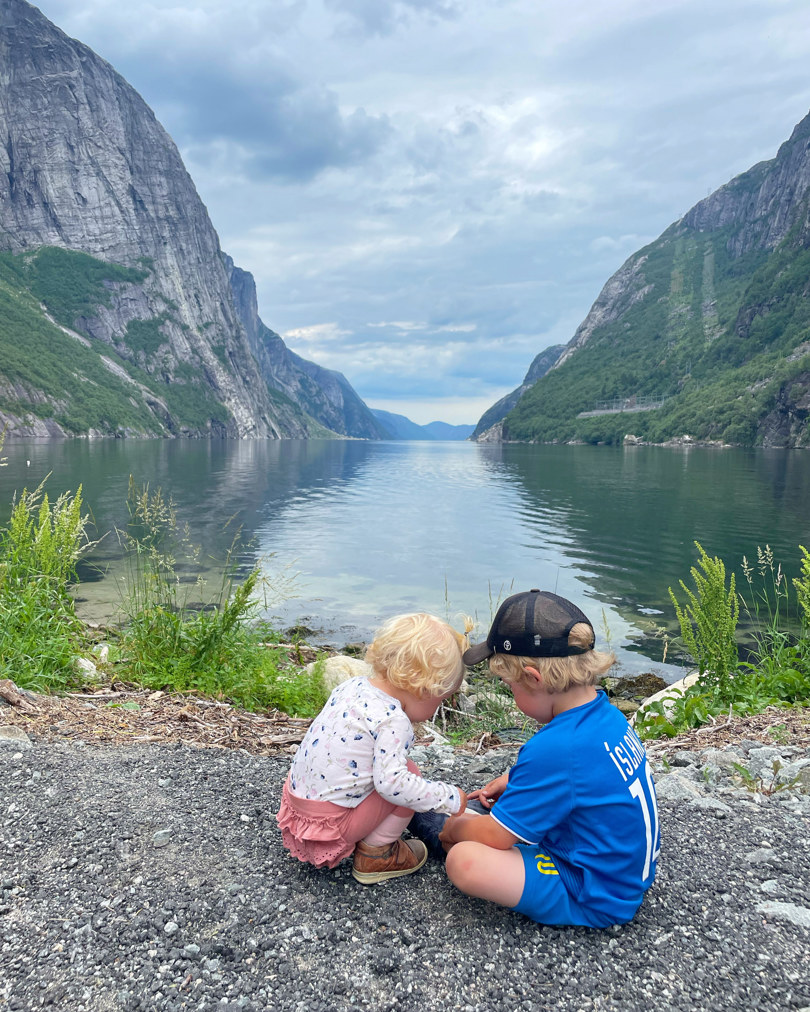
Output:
(489, 874)
(390, 829)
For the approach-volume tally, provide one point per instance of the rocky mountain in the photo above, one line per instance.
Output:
(117, 312)
(326, 395)
(401, 427)
(705, 332)
(500, 409)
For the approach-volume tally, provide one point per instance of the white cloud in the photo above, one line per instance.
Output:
(317, 333)
(399, 325)
(610, 243)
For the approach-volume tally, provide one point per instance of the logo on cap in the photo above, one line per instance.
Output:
(507, 645)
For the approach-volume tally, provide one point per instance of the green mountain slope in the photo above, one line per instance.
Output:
(59, 382)
(711, 321)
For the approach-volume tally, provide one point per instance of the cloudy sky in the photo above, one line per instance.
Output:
(430, 192)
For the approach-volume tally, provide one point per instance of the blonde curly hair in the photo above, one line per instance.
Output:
(419, 653)
(559, 673)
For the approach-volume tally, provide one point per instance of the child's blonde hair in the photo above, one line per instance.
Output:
(419, 653)
(559, 673)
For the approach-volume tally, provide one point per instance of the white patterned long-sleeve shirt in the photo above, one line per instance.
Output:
(359, 743)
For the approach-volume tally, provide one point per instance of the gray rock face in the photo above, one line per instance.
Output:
(324, 394)
(85, 166)
(622, 291)
(767, 201)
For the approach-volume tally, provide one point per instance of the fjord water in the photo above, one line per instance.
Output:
(371, 529)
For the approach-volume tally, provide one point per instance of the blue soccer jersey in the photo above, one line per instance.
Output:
(582, 791)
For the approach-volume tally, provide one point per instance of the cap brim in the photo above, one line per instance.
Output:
(476, 654)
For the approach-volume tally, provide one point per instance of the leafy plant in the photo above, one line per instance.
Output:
(708, 621)
(777, 672)
(802, 585)
(759, 785)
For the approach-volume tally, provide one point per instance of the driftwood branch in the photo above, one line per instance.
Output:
(13, 696)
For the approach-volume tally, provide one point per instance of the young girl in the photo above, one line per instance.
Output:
(351, 787)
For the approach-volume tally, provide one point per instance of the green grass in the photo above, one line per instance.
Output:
(191, 637)
(40, 636)
(175, 637)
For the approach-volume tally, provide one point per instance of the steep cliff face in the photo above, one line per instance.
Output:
(324, 394)
(707, 327)
(765, 203)
(85, 166)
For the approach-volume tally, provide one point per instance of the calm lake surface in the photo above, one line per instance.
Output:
(372, 529)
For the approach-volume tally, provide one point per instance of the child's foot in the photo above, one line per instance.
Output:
(426, 826)
(376, 864)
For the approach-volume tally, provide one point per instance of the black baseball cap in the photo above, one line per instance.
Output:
(532, 624)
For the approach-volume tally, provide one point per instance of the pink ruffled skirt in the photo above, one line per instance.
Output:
(322, 833)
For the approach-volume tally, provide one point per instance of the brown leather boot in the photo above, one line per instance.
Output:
(376, 864)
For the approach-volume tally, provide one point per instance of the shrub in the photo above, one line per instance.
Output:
(802, 586)
(708, 621)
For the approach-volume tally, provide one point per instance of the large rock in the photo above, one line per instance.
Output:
(14, 737)
(668, 696)
(341, 668)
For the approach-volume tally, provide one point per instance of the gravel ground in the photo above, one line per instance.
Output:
(153, 878)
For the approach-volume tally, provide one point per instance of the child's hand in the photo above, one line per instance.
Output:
(447, 835)
(463, 797)
(489, 795)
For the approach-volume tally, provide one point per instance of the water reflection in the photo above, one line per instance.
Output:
(377, 528)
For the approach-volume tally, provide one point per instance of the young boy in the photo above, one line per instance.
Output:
(571, 835)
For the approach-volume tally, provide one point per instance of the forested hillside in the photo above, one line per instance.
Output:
(711, 322)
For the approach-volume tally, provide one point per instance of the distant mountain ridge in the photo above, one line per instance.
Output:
(541, 364)
(711, 321)
(109, 262)
(400, 427)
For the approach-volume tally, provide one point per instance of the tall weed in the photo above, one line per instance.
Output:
(182, 635)
(40, 636)
(777, 672)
